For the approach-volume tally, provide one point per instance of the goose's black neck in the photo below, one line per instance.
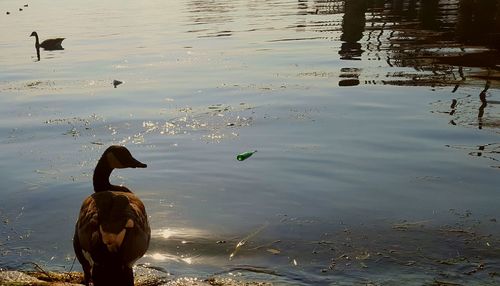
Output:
(37, 41)
(101, 176)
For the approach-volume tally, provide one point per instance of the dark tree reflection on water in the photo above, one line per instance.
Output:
(435, 37)
(353, 25)
(434, 43)
(448, 44)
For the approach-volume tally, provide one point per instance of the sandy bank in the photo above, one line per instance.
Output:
(32, 278)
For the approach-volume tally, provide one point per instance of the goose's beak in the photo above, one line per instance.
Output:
(136, 164)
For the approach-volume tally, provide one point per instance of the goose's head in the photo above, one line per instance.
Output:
(119, 157)
(115, 157)
(33, 34)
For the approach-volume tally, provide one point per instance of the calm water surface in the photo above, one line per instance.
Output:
(377, 125)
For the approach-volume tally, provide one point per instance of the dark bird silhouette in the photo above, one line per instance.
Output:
(49, 44)
(112, 230)
(117, 83)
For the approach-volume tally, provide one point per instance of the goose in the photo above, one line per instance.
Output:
(112, 230)
(49, 44)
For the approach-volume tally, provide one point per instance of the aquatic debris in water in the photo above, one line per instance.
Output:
(219, 108)
(452, 261)
(212, 125)
(238, 246)
(363, 256)
(116, 83)
(78, 126)
(85, 121)
(156, 268)
(34, 84)
(244, 240)
(444, 283)
(250, 268)
(405, 225)
(274, 251)
(244, 156)
(73, 132)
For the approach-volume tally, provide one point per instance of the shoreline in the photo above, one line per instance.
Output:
(49, 278)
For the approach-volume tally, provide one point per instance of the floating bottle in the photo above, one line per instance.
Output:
(244, 156)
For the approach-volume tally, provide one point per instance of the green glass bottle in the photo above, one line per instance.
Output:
(244, 156)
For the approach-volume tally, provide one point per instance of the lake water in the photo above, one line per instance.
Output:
(377, 126)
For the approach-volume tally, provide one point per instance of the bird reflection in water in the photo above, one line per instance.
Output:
(484, 103)
(37, 53)
(453, 106)
(488, 151)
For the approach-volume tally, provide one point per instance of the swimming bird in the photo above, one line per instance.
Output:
(112, 231)
(49, 44)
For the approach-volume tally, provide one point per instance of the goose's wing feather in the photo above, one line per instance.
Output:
(56, 41)
(52, 43)
(87, 227)
(86, 235)
(87, 232)
(137, 240)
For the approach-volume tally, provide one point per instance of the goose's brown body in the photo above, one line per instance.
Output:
(112, 230)
(49, 44)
